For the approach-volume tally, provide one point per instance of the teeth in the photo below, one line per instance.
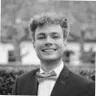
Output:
(47, 50)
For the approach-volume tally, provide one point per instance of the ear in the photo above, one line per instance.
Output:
(65, 42)
(33, 44)
(65, 45)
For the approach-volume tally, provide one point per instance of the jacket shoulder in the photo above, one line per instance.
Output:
(28, 74)
(82, 83)
(24, 83)
(76, 77)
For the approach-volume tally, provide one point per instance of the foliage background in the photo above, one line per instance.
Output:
(9, 75)
(16, 14)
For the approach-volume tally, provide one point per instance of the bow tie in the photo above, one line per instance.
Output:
(46, 76)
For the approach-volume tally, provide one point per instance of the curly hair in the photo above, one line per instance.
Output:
(49, 18)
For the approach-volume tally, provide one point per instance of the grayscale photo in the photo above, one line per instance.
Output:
(47, 47)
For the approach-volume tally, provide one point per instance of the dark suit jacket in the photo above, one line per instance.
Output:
(67, 84)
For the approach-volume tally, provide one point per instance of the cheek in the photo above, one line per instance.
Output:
(61, 44)
(62, 47)
(37, 46)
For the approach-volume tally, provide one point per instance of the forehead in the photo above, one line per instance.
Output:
(49, 28)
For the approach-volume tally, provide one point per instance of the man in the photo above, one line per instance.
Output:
(49, 32)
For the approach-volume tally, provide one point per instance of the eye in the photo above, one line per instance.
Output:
(40, 37)
(55, 36)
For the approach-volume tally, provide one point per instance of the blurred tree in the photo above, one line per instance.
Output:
(15, 35)
(80, 13)
(87, 33)
(88, 57)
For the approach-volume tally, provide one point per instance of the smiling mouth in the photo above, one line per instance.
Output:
(49, 50)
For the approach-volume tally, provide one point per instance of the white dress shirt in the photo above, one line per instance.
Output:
(45, 87)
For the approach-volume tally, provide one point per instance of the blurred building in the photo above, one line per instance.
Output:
(72, 52)
(15, 19)
(7, 54)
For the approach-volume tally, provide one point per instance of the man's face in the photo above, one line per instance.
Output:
(49, 42)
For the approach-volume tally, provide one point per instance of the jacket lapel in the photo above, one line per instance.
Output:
(61, 83)
(34, 84)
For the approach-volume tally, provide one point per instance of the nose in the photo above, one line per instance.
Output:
(48, 41)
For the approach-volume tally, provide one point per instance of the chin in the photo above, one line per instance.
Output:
(49, 58)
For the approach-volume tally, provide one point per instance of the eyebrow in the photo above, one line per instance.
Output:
(40, 34)
(43, 33)
(53, 33)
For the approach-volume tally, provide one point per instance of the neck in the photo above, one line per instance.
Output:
(49, 65)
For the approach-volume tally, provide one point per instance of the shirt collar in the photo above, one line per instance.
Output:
(57, 70)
